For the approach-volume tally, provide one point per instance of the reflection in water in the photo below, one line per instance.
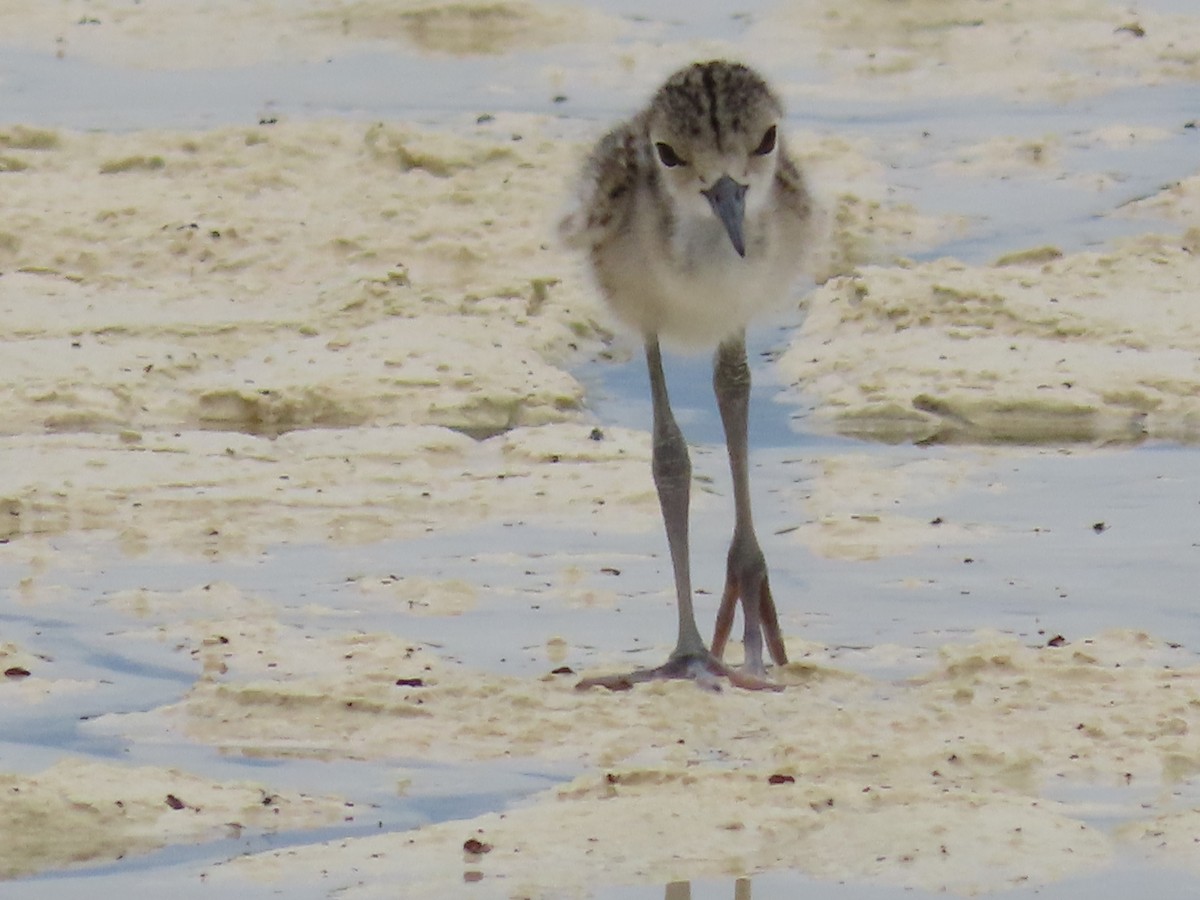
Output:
(682, 890)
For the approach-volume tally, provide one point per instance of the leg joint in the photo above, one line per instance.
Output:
(731, 372)
(672, 463)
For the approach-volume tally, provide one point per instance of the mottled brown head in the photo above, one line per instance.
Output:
(714, 130)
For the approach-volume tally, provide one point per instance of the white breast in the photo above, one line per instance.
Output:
(696, 291)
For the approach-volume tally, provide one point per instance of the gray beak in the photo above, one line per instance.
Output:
(728, 200)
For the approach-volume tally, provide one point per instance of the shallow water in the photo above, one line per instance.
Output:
(1049, 571)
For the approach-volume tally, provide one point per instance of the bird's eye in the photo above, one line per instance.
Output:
(767, 144)
(667, 154)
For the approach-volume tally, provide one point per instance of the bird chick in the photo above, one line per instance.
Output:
(693, 219)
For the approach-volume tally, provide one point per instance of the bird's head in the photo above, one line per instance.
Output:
(714, 134)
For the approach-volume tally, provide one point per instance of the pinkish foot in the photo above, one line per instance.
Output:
(706, 670)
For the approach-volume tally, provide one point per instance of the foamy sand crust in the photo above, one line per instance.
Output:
(329, 331)
(155, 36)
(77, 811)
(1039, 347)
(186, 309)
(967, 48)
(933, 783)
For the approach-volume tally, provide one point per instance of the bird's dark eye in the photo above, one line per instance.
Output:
(767, 144)
(667, 154)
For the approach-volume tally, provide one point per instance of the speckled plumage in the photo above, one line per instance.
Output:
(664, 264)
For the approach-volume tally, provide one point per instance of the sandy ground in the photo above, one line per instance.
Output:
(201, 309)
(156, 36)
(1020, 48)
(215, 342)
(933, 783)
(1041, 347)
(80, 811)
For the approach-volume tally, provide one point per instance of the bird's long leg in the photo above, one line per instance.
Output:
(746, 569)
(673, 479)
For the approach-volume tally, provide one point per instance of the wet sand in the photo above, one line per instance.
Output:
(300, 469)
